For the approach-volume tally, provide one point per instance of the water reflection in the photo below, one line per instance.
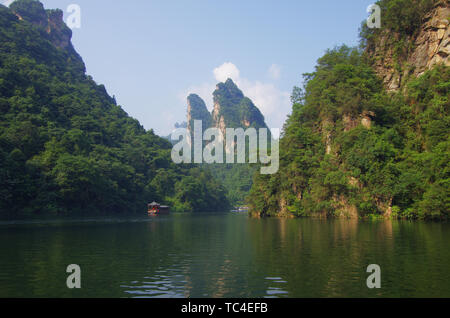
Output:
(225, 256)
(170, 285)
(275, 288)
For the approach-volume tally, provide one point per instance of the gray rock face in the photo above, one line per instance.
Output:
(430, 46)
(51, 21)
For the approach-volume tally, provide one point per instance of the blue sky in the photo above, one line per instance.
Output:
(151, 54)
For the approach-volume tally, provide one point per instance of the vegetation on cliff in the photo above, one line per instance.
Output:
(352, 149)
(197, 111)
(414, 37)
(233, 109)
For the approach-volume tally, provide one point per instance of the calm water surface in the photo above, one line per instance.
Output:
(224, 255)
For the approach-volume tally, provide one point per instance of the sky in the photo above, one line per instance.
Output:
(152, 54)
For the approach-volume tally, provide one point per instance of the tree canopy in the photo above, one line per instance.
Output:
(67, 148)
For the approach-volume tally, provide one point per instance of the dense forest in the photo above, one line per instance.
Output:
(237, 179)
(351, 147)
(66, 147)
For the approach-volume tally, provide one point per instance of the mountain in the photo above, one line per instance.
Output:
(369, 131)
(197, 111)
(231, 110)
(66, 147)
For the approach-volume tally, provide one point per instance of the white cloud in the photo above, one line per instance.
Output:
(226, 71)
(273, 102)
(275, 71)
(6, 2)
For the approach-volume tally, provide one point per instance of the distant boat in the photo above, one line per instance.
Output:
(241, 209)
(157, 209)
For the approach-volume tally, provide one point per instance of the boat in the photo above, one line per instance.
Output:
(155, 208)
(240, 209)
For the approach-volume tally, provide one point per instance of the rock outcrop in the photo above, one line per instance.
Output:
(49, 20)
(428, 46)
(51, 25)
(231, 110)
(58, 31)
(197, 111)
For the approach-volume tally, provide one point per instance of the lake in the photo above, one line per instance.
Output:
(224, 255)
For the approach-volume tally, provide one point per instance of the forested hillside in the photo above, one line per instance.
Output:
(66, 147)
(365, 140)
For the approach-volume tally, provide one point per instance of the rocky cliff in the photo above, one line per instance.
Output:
(49, 22)
(231, 109)
(398, 55)
(197, 111)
